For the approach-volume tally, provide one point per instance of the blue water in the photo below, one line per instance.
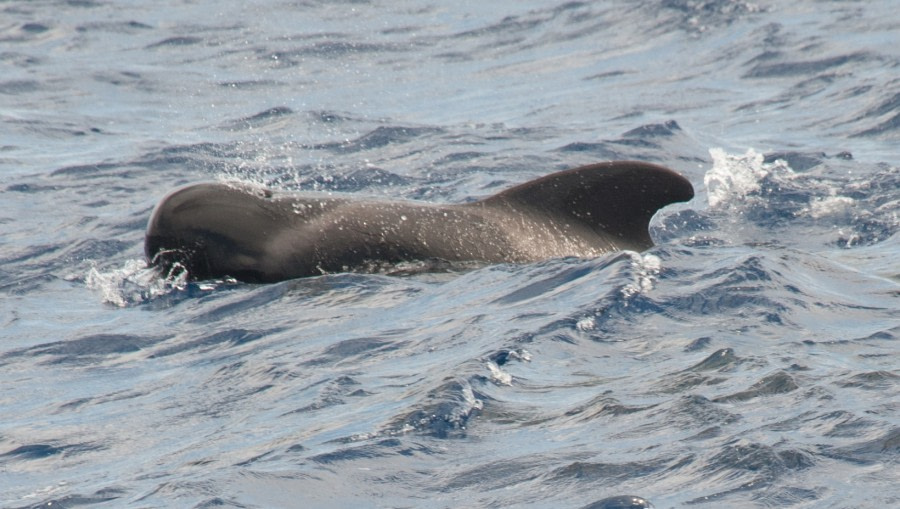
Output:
(750, 359)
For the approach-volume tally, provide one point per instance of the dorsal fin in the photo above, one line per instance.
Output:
(615, 198)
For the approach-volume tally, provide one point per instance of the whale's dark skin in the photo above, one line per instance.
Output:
(217, 230)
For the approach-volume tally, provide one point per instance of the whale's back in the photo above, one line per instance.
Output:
(615, 200)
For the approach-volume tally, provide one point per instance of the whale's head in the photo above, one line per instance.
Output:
(214, 229)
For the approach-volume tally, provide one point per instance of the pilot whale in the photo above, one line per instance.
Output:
(216, 230)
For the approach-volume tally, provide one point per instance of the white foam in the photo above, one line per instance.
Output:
(828, 206)
(498, 375)
(586, 324)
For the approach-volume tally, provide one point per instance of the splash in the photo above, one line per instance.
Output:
(646, 270)
(733, 176)
(134, 283)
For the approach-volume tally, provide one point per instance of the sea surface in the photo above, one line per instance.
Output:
(750, 359)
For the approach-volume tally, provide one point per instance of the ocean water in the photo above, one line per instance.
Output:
(750, 359)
